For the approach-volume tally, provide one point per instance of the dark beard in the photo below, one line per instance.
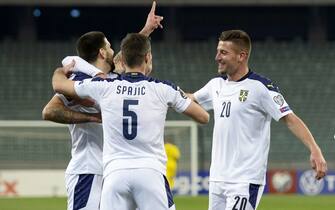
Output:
(111, 63)
(112, 66)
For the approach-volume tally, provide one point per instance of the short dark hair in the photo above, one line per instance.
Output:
(134, 48)
(238, 37)
(89, 44)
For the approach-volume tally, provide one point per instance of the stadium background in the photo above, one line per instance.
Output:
(293, 44)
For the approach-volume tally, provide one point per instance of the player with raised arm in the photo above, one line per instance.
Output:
(134, 108)
(83, 175)
(244, 104)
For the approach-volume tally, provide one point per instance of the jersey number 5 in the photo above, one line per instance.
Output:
(129, 117)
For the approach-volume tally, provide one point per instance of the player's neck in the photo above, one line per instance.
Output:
(102, 65)
(240, 73)
(140, 69)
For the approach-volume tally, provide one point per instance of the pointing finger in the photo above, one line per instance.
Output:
(153, 7)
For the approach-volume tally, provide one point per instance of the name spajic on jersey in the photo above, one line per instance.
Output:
(129, 90)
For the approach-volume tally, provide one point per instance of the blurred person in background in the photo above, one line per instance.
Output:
(83, 175)
(173, 155)
(244, 104)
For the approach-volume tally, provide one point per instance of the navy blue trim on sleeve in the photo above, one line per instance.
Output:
(265, 81)
(97, 79)
(79, 76)
(137, 76)
(166, 82)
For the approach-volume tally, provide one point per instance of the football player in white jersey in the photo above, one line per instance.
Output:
(84, 172)
(83, 175)
(134, 108)
(244, 103)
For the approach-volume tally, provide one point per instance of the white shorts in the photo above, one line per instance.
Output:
(83, 191)
(142, 188)
(231, 196)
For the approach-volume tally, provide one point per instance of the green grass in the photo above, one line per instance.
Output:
(279, 202)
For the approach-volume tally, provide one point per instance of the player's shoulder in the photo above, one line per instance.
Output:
(138, 77)
(164, 83)
(265, 81)
(79, 76)
(109, 79)
(113, 75)
(216, 80)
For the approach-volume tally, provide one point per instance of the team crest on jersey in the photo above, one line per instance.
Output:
(279, 100)
(243, 95)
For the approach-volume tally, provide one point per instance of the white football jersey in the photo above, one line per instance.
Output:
(86, 138)
(133, 109)
(241, 137)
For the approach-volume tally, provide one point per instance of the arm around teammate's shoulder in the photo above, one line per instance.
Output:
(197, 113)
(61, 84)
(191, 96)
(56, 111)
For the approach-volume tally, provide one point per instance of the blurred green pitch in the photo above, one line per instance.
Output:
(268, 202)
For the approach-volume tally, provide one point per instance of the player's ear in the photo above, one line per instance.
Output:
(148, 57)
(122, 60)
(102, 52)
(243, 56)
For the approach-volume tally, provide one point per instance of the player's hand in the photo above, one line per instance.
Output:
(101, 75)
(84, 102)
(153, 21)
(68, 69)
(319, 164)
(95, 117)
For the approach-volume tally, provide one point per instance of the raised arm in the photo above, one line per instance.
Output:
(301, 131)
(197, 113)
(56, 111)
(119, 68)
(153, 21)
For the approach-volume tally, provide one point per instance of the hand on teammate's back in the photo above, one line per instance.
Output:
(96, 117)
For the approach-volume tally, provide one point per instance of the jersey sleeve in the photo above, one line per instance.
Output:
(204, 96)
(81, 65)
(177, 99)
(274, 103)
(63, 99)
(91, 88)
(74, 77)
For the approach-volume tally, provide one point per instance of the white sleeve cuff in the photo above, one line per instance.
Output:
(81, 66)
(184, 106)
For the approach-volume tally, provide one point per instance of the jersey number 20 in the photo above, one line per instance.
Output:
(225, 109)
(129, 117)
